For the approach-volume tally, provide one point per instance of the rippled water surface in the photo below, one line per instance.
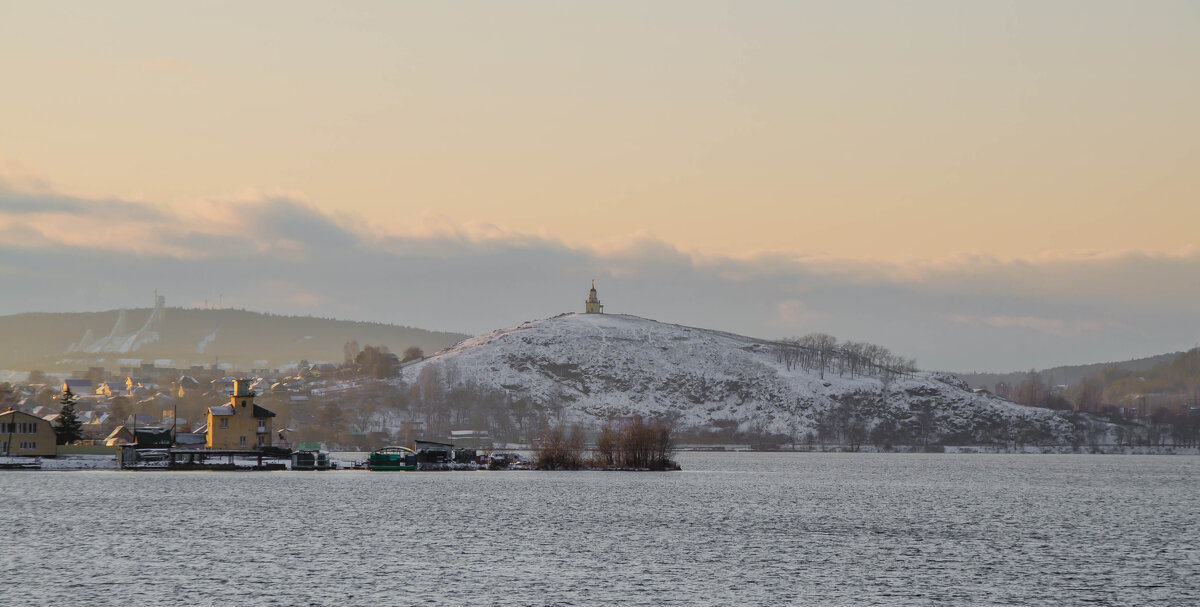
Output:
(741, 529)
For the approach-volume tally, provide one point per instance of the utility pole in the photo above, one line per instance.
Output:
(12, 427)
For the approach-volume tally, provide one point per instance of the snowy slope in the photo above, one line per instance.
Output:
(601, 365)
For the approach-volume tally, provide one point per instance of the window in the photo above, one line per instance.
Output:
(19, 428)
(225, 422)
(262, 440)
(29, 445)
(243, 441)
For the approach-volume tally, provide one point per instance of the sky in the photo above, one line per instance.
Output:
(984, 186)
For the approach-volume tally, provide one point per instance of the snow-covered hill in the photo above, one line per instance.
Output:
(596, 366)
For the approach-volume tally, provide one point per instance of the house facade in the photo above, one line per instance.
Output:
(25, 434)
(241, 424)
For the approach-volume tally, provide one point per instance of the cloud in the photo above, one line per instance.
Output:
(794, 312)
(1051, 326)
(16, 203)
(276, 251)
(641, 255)
(277, 221)
(15, 177)
(265, 222)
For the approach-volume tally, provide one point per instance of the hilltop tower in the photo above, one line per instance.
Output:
(592, 304)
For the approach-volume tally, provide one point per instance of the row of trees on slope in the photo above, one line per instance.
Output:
(821, 352)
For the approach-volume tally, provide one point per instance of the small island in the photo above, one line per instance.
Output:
(626, 444)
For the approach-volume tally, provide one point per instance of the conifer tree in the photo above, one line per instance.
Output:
(69, 428)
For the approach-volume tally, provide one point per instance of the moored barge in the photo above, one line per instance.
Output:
(392, 459)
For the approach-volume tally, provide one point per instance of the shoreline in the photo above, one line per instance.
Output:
(80, 463)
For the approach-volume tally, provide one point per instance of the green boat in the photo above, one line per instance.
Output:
(392, 459)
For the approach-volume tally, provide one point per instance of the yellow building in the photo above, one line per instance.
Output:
(592, 305)
(241, 424)
(25, 434)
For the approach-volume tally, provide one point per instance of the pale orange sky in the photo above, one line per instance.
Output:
(859, 130)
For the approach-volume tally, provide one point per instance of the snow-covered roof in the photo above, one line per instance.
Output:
(118, 432)
(14, 413)
(221, 410)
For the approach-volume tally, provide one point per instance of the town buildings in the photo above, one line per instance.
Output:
(25, 434)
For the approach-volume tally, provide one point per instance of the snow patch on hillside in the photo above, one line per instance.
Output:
(596, 366)
(208, 339)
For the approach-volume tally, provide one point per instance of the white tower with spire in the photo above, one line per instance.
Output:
(592, 304)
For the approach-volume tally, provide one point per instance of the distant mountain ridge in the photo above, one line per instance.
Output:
(1068, 374)
(182, 336)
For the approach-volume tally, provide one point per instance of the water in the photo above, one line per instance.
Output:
(745, 529)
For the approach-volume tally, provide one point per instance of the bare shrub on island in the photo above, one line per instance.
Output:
(635, 443)
(608, 445)
(560, 450)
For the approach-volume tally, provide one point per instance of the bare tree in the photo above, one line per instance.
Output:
(558, 449)
(824, 345)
